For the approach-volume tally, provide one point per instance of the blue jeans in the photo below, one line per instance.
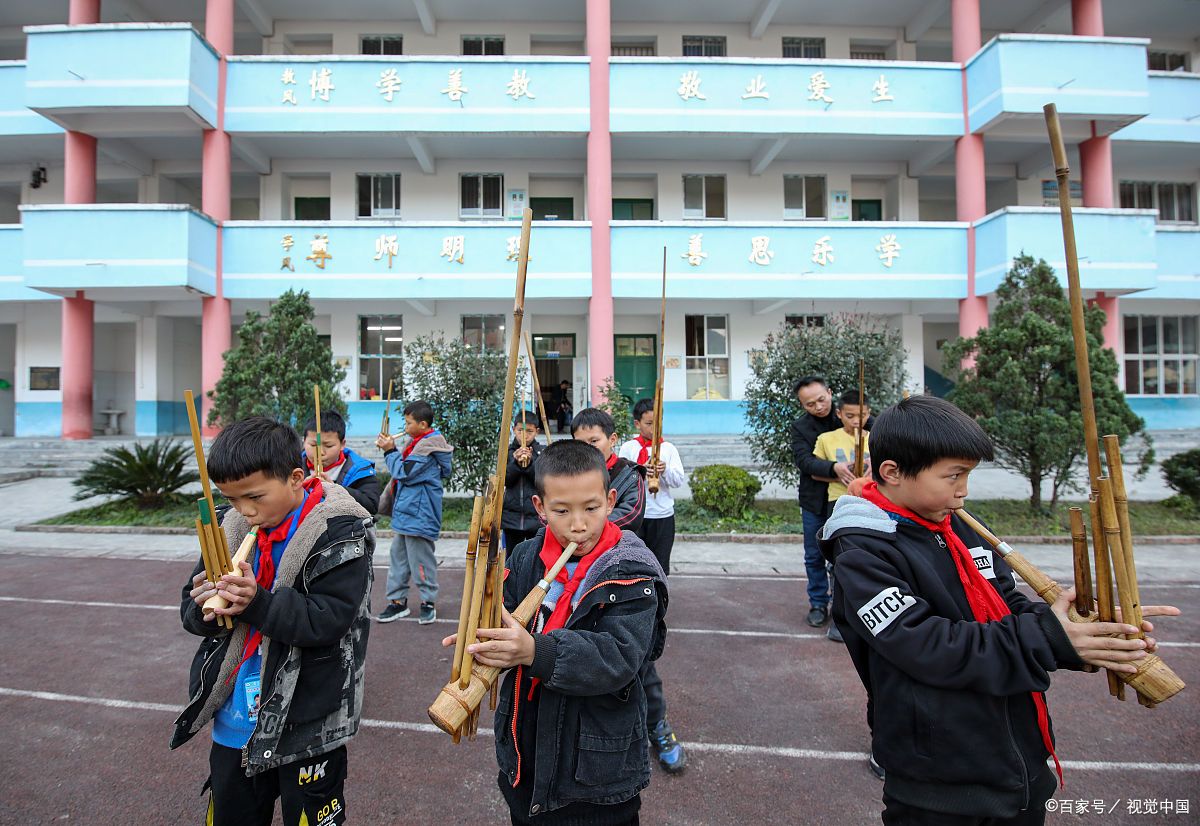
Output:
(814, 563)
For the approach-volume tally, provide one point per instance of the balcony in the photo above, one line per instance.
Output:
(759, 96)
(803, 259)
(1101, 79)
(415, 260)
(1116, 247)
(162, 251)
(1174, 111)
(12, 268)
(122, 79)
(322, 94)
(16, 119)
(1177, 251)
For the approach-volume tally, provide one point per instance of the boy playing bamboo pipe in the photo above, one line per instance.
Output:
(299, 639)
(339, 464)
(570, 723)
(520, 519)
(955, 660)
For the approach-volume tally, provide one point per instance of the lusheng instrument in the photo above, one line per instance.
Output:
(317, 468)
(1112, 537)
(385, 426)
(860, 440)
(483, 580)
(458, 704)
(214, 546)
(652, 482)
(524, 462)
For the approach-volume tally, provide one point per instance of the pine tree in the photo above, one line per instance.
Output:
(1023, 388)
(271, 369)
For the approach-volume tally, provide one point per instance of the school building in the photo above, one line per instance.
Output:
(167, 165)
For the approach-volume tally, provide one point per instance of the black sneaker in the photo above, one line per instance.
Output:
(833, 633)
(428, 614)
(394, 611)
(876, 769)
(818, 615)
(670, 753)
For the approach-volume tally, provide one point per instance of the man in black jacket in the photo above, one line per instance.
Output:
(815, 397)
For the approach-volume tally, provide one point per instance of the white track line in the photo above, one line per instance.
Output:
(717, 748)
(711, 632)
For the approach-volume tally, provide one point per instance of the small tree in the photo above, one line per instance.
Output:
(616, 404)
(465, 386)
(273, 366)
(832, 351)
(1023, 387)
(149, 475)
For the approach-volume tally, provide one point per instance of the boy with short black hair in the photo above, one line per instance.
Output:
(340, 464)
(301, 613)
(520, 520)
(841, 445)
(627, 479)
(570, 721)
(954, 658)
(418, 471)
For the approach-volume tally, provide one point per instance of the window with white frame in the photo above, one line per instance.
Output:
(378, 195)
(1161, 354)
(707, 356)
(481, 195)
(704, 196)
(483, 45)
(804, 320)
(634, 48)
(483, 332)
(380, 354)
(1158, 60)
(803, 196)
(703, 46)
(1175, 202)
(813, 47)
(381, 44)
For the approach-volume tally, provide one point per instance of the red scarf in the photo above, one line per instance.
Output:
(265, 576)
(327, 468)
(608, 463)
(408, 449)
(986, 603)
(644, 453)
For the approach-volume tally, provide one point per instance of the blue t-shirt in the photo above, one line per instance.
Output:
(236, 719)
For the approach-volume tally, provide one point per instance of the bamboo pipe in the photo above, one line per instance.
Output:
(1043, 586)
(317, 463)
(474, 613)
(524, 391)
(1105, 609)
(456, 704)
(221, 547)
(497, 619)
(1116, 475)
(652, 480)
(243, 554)
(460, 644)
(386, 426)
(209, 531)
(1079, 554)
(859, 446)
(537, 386)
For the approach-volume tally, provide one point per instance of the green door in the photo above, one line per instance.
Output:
(867, 210)
(635, 365)
(633, 209)
(552, 209)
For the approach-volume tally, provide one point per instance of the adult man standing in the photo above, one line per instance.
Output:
(815, 397)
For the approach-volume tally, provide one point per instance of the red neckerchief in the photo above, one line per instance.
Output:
(327, 468)
(644, 453)
(551, 551)
(408, 449)
(610, 461)
(986, 603)
(265, 577)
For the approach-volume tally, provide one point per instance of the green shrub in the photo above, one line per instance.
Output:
(1182, 472)
(724, 489)
(149, 475)
(617, 405)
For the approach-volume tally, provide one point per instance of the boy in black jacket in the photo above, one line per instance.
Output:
(627, 479)
(571, 719)
(284, 689)
(520, 520)
(340, 464)
(954, 659)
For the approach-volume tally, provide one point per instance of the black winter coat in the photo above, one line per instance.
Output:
(519, 513)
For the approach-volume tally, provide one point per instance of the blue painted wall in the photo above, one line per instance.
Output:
(161, 418)
(42, 419)
(16, 118)
(1172, 117)
(1167, 412)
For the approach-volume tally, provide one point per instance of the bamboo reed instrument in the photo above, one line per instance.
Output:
(652, 480)
(1111, 532)
(537, 386)
(459, 701)
(523, 462)
(242, 555)
(385, 427)
(860, 447)
(483, 592)
(214, 547)
(317, 463)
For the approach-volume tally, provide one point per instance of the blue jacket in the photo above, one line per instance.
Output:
(357, 476)
(417, 510)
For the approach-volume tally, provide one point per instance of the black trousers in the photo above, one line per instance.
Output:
(659, 536)
(896, 813)
(513, 538)
(309, 790)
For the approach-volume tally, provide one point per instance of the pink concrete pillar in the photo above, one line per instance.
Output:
(1096, 169)
(76, 380)
(82, 12)
(599, 199)
(215, 183)
(1087, 18)
(79, 168)
(1113, 339)
(970, 181)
